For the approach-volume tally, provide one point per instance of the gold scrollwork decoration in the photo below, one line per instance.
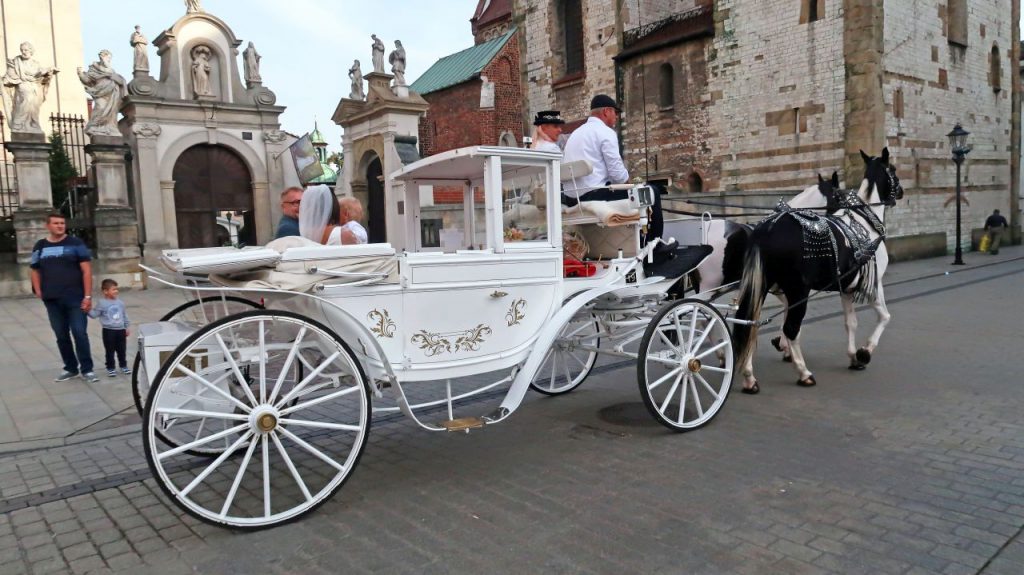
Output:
(515, 313)
(451, 342)
(383, 327)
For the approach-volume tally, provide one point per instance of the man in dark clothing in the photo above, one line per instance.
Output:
(994, 225)
(289, 224)
(62, 278)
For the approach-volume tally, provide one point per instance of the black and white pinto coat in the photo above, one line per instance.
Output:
(775, 260)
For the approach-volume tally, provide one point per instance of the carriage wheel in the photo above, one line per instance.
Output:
(685, 364)
(199, 312)
(565, 365)
(285, 446)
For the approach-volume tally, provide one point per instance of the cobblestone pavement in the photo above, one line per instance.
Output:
(913, 466)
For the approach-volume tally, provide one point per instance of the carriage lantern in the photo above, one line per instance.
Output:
(958, 145)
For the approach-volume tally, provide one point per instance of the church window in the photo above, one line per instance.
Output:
(897, 103)
(572, 33)
(666, 86)
(995, 71)
(694, 183)
(956, 22)
(811, 10)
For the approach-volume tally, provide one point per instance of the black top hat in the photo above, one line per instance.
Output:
(604, 101)
(548, 117)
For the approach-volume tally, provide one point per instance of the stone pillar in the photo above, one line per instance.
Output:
(276, 143)
(863, 45)
(1015, 128)
(35, 198)
(117, 230)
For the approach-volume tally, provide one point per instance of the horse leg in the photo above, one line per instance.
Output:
(791, 329)
(779, 342)
(883, 320)
(850, 320)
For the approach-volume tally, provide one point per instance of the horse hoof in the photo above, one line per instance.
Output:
(787, 358)
(752, 390)
(863, 356)
(777, 342)
(856, 365)
(809, 382)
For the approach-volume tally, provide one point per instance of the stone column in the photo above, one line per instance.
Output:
(863, 45)
(149, 205)
(35, 199)
(275, 142)
(117, 230)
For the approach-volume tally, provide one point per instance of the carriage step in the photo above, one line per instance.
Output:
(463, 423)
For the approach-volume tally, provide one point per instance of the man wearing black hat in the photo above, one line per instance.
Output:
(548, 126)
(597, 143)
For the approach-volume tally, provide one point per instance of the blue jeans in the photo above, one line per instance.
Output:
(67, 320)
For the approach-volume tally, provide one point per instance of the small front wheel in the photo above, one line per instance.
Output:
(571, 357)
(685, 364)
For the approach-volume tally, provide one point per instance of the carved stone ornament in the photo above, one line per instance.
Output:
(146, 130)
(274, 136)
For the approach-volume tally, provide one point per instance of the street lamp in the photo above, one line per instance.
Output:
(958, 145)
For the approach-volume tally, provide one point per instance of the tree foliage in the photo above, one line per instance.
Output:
(62, 174)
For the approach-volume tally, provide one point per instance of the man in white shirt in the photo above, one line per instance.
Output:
(548, 126)
(596, 142)
(352, 232)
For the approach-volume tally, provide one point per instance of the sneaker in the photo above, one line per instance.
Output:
(90, 377)
(65, 375)
(111, 373)
(126, 370)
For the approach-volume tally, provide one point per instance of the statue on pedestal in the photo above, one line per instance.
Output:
(139, 43)
(193, 6)
(357, 82)
(251, 60)
(28, 82)
(107, 88)
(201, 71)
(378, 54)
(397, 60)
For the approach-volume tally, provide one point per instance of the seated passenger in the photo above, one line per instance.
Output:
(320, 216)
(548, 126)
(352, 232)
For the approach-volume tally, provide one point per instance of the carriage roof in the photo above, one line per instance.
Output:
(465, 164)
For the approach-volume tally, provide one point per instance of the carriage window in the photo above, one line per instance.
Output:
(524, 204)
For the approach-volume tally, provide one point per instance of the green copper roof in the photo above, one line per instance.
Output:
(460, 66)
(315, 136)
(329, 176)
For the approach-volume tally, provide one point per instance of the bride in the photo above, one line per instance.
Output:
(320, 218)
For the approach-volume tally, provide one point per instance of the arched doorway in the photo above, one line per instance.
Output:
(375, 203)
(209, 179)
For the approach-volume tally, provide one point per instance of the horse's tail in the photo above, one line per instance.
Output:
(751, 299)
(737, 237)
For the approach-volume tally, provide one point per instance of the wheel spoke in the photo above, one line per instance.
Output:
(712, 349)
(679, 330)
(577, 330)
(213, 466)
(319, 400)
(667, 341)
(704, 335)
(291, 467)
(220, 434)
(201, 414)
(696, 399)
(707, 386)
(715, 369)
(287, 364)
(565, 369)
(263, 364)
(694, 312)
(682, 400)
(236, 370)
(671, 392)
(188, 372)
(312, 375)
(554, 365)
(582, 363)
(664, 378)
(238, 479)
(266, 476)
(314, 451)
(321, 424)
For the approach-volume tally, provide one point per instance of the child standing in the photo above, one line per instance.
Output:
(114, 318)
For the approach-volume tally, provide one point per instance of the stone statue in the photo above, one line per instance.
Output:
(357, 82)
(28, 82)
(201, 71)
(397, 61)
(107, 88)
(139, 43)
(378, 54)
(251, 58)
(193, 6)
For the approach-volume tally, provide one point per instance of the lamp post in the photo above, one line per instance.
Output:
(958, 145)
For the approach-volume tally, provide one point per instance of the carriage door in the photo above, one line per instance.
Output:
(207, 180)
(376, 205)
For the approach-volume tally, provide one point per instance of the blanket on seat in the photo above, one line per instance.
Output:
(613, 213)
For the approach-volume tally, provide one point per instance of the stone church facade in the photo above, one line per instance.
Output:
(751, 98)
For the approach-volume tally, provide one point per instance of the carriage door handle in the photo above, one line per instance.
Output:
(498, 294)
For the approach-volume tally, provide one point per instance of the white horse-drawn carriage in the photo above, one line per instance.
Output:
(257, 410)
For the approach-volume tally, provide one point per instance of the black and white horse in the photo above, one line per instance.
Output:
(795, 251)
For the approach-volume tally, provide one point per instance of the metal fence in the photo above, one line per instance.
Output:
(77, 200)
(8, 190)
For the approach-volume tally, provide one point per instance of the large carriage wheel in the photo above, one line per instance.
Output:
(285, 446)
(685, 364)
(199, 312)
(566, 365)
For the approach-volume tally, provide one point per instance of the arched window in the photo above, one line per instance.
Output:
(995, 76)
(897, 103)
(694, 183)
(666, 86)
(956, 22)
(572, 35)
